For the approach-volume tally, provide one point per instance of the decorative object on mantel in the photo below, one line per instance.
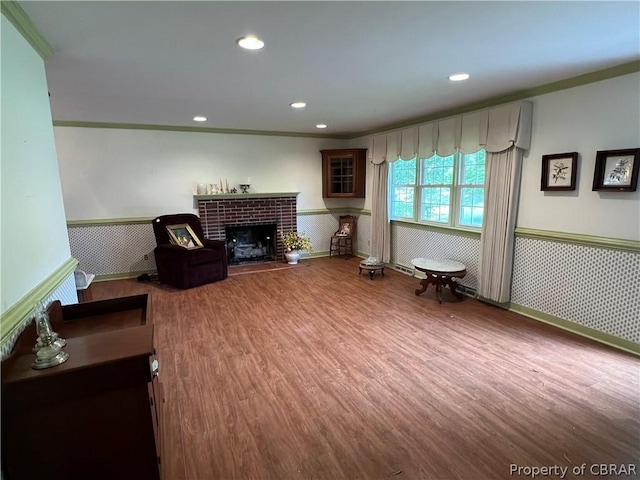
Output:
(48, 348)
(559, 172)
(244, 187)
(293, 243)
(221, 195)
(224, 187)
(201, 189)
(617, 170)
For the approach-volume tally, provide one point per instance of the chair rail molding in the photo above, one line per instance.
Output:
(580, 239)
(13, 318)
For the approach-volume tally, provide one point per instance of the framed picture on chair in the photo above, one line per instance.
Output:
(345, 228)
(183, 235)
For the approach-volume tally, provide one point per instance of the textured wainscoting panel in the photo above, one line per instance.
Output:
(320, 227)
(595, 287)
(113, 249)
(364, 234)
(120, 249)
(408, 243)
(66, 293)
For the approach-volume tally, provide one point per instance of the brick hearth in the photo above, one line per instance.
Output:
(220, 211)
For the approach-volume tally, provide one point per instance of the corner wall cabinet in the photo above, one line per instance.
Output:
(343, 173)
(99, 414)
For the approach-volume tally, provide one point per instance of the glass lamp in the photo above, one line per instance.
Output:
(48, 348)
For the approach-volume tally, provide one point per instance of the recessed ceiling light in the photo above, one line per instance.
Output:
(199, 118)
(321, 125)
(458, 77)
(250, 42)
(298, 105)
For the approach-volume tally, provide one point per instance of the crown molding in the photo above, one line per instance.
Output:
(179, 128)
(592, 77)
(19, 18)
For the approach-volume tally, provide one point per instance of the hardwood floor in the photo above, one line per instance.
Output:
(320, 373)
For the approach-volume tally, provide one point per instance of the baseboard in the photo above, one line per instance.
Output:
(123, 275)
(588, 332)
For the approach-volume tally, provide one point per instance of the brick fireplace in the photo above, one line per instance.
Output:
(217, 212)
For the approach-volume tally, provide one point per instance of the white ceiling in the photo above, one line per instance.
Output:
(360, 66)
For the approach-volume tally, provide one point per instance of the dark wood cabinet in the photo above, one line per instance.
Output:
(343, 173)
(99, 414)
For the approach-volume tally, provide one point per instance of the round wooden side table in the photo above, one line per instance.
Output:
(439, 272)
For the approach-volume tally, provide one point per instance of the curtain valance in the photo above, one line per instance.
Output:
(378, 149)
(495, 130)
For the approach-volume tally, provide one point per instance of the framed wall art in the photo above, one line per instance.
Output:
(617, 170)
(183, 235)
(559, 171)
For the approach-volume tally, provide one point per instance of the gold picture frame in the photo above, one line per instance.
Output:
(183, 235)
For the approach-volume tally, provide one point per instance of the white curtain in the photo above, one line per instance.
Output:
(380, 226)
(507, 135)
(501, 190)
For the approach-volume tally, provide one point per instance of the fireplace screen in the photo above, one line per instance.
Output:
(251, 243)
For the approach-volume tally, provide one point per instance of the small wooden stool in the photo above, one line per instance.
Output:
(439, 272)
(371, 267)
(83, 286)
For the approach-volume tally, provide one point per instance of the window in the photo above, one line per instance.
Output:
(471, 189)
(439, 190)
(403, 186)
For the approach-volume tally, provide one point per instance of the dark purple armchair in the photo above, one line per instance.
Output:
(186, 268)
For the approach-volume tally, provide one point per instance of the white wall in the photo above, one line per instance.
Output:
(34, 241)
(585, 119)
(110, 173)
(114, 173)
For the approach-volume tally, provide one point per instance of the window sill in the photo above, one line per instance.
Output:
(459, 231)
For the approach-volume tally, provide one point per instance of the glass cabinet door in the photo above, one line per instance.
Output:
(343, 173)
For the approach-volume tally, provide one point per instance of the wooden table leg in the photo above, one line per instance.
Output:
(439, 290)
(453, 286)
(424, 283)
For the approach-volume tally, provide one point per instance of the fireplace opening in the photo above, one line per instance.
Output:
(251, 243)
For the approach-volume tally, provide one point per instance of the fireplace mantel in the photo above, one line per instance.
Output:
(240, 196)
